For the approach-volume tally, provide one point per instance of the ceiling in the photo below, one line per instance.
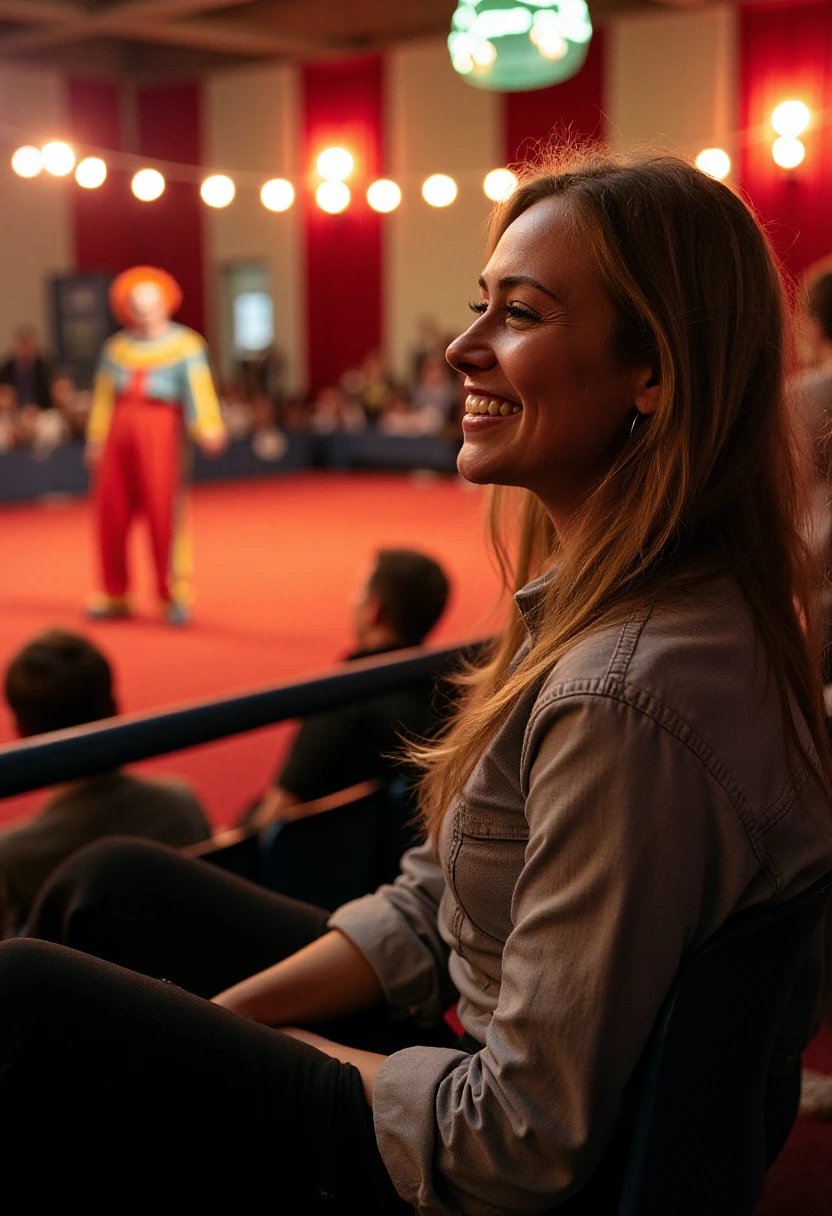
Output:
(167, 39)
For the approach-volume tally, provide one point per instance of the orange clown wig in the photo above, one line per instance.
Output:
(123, 285)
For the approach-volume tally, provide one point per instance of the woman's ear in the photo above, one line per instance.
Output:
(648, 389)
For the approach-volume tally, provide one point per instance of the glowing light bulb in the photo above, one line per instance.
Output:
(335, 164)
(384, 195)
(333, 197)
(499, 185)
(715, 162)
(439, 190)
(91, 172)
(27, 162)
(484, 54)
(549, 42)
(787, 152)
(58, 158)
(147, 185)
(217, 190)
(791, 118)
(277, 194)
(463, 63)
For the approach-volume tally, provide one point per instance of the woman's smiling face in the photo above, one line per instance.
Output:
(550, 403)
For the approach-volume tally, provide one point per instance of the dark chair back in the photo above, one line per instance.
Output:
(327, 858)
(700, 1145)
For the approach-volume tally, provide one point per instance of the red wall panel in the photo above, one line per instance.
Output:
(112, 230)
(786, 52)
(170, 128)
(342, 106)
(577, 105)
(103, 238)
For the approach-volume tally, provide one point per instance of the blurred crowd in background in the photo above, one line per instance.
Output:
(41, 407)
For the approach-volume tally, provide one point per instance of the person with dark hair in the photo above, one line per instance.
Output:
(59, 680)
(28, 371)
(639, 758)
(398, 605)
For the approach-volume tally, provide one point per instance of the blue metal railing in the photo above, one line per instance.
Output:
(67, 755)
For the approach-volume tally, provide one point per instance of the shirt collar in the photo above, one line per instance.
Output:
(529, 600)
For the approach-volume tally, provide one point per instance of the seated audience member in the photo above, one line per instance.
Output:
(816, 389)
(56, 681)
(8, 418)
(333, 412)
(401, 601)
(430, 342)
(400, 418)
(28, 371)
(639, 759)
(370, 385)
(436, 389)
(72, 405)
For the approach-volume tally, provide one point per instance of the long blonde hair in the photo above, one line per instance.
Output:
(712, 476)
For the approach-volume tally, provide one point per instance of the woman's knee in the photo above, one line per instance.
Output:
(31, 973)
(112, 869)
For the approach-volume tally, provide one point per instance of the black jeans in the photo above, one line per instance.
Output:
(123, 1089)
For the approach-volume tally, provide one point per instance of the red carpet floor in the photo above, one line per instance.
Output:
(277, 564)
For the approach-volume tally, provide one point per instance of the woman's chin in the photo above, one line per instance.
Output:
(476, 468)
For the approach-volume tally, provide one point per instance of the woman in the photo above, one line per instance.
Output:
(642, 757)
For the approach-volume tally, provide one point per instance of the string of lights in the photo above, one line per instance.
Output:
(336, 166)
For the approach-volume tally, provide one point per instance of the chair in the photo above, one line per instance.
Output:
(700, 1145)
(348, 845)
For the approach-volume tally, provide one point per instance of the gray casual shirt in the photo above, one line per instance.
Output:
(626, 809)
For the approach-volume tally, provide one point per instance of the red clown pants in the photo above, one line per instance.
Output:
(140, 474)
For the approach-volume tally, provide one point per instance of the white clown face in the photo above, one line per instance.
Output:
(147, 304)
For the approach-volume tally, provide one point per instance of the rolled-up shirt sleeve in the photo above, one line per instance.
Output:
(627, 832)
(396, 930)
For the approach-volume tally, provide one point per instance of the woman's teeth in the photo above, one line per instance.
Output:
(491, 405)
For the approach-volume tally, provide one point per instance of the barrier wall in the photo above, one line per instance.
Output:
(25, 477)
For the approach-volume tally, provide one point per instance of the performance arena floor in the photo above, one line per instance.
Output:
(277, 564)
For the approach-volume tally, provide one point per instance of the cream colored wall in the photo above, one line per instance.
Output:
(252, 123)
(435, 124)
(672, 79)
(35, 237)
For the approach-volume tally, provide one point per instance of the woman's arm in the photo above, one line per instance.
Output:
(329, 978)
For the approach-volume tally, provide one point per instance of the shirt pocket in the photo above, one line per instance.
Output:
(488, 857)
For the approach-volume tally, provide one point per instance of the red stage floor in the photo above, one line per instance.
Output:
(277, 564)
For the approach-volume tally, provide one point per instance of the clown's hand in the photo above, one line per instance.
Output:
(213, 445)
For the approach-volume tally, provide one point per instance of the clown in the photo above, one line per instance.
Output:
(152, 385)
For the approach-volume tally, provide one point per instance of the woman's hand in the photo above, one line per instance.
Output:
(367, 1062)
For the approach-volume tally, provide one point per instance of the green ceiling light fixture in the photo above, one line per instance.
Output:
(514, 45)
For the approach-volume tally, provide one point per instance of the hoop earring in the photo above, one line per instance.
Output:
(634, 424)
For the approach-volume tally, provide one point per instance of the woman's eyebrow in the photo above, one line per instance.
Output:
(519, 280)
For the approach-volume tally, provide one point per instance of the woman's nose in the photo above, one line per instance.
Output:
(469, 352)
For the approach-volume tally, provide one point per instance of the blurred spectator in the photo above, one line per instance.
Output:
(430, 342)
(437, 386)
(371, 385)
(295, 414)
(71, 404)
(60, 680)
(8, 417)
(333, 411)
(236, 411)
(28, 371)
(401, 418)
(398, 605)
